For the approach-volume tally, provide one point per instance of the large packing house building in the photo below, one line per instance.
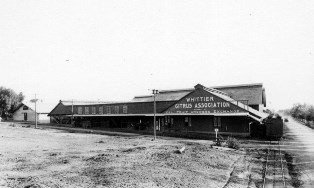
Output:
(198, 110)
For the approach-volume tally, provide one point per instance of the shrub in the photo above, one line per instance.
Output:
(220, 141)
(233, 143)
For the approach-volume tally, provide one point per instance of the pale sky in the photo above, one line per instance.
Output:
(112, 50)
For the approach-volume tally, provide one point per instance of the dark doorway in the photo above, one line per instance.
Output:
(25, 116)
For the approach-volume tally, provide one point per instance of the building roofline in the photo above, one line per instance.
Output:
(83, 101)
(215, 87)
(19, 106)
(240, 85)
(117, 102)
(176, 90)
(142, 96)
(165, 91)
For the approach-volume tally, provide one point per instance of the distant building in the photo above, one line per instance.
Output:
(198, 110)
(26, 112)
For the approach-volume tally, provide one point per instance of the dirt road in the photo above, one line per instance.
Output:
(54, 158)
(299, 146)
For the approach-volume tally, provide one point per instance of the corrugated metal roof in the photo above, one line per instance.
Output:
(168, 96)
(253, 93)
(252, 111)
(86, 103)
(216, 87)
(69, 103)
(176, 90)
(239, 85)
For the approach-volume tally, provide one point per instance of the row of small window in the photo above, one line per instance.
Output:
(187, 121)
(109, 110)
(217, 121)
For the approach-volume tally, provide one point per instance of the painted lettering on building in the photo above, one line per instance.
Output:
(197, 103)
(204, 105)
(200, 103)
(199, 99)
(203, 112)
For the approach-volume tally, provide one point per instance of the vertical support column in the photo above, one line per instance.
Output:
(35, 112)
(155, 92)
(72, 114)
(35, 101)
(154, 115)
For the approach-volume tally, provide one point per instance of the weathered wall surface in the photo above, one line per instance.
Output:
(19, 114)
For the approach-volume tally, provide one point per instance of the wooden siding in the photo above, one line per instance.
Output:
(234, 124)
(206, 124)
(60, 109)
(19, 114)
(201, 101)
(132, 108)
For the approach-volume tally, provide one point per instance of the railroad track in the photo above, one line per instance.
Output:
(274, 171)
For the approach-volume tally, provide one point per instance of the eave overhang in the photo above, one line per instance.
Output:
(160, 114)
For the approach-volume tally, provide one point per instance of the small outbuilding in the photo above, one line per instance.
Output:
(26, 112)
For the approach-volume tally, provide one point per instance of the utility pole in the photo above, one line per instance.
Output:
(72, 114)
(155, 92)
(35, 101)
(35, 112)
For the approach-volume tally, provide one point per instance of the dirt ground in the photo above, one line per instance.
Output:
(38, 158)
(299, 142)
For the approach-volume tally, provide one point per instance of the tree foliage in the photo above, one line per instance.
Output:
(9, 100)
(302, 111)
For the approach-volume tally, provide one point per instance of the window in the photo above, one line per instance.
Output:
(25, 107)
(158, 125)
(125, 109)
(116, 109)
(86, 110)
(217, 121)
(187, 121)
(93, 110)
(167, 120)
(80, 110)
(100, 110)
(108, 110)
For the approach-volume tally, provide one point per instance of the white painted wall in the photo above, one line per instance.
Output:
(19, 114)
(261, 107)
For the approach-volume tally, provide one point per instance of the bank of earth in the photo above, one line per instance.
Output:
(54, 158)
